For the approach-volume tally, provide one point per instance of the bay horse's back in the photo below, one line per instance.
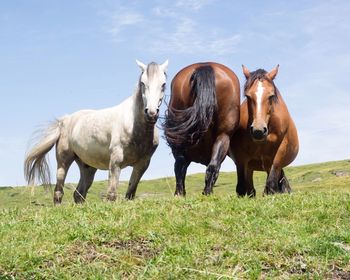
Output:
(203, 113)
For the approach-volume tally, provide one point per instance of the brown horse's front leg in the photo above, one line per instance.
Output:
(240, 188)
(219, 153)
(277, 182)
(180, 168)
(245, 184)
(283, 184)
(272, 180)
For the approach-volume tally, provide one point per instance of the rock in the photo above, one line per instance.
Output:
(340, 173)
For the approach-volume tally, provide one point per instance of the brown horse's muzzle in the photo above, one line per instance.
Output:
(259, 134)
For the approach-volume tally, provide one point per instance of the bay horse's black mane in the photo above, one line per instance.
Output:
(260, 75)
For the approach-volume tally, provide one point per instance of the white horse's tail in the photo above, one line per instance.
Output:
(35, 163)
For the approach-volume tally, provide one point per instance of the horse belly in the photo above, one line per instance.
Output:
(91, 146)
(94, 155)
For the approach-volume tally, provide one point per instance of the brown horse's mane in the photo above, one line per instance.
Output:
(261, 75)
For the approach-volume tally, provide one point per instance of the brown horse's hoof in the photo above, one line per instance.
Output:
(207, 192)
(179, 194)
(130, 196)
(251, 194)
(284, 186)
(269, 191)
(78, 198)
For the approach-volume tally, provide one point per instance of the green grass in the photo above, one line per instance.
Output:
(305, 235)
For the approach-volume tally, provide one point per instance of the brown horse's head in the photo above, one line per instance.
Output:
(261, 94)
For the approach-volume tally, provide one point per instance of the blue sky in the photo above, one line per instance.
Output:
(57, 57)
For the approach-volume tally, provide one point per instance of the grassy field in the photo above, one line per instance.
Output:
(305, 235)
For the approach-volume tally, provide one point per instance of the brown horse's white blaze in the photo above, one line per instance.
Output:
(260, 104)
(266, 139)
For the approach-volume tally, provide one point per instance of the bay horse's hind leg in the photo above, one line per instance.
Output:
(137, 172)
(219, 153)
(180, 168)
(64, 159)
(283, 184)
(87, 174)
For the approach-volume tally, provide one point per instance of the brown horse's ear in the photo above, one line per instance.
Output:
(273, 73)
(246, 71)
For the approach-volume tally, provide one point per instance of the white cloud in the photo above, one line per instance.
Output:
(194, 5)
(188, 37)
(123, 19)
(173, 28)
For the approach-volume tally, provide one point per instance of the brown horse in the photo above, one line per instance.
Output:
(202, 116)
(266, 139)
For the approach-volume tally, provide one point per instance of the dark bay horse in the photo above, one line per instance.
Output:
(202, 115)
(266, 139)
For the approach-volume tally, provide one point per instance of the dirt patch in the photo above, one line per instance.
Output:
(140, 247)
(81, 252)
(339, 274)
(86, 252)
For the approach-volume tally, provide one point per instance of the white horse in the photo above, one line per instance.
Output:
(107, 139)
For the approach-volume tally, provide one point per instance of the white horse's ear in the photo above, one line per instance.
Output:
(246, 71)
(164, 66)
(141, 65)
(273, 73)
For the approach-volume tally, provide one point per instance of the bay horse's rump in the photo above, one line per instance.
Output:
(185, 127)
(203, 113)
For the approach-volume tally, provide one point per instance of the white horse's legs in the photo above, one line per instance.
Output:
(136, 175)
(113, 178)
(87, 174)
(114, 172)
(64, 160)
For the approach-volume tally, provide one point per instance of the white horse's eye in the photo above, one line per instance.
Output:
(163, 87)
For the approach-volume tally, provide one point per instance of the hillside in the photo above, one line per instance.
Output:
(327, 176)
(298, 236)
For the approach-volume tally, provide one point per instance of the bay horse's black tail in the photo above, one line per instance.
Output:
(185, 128)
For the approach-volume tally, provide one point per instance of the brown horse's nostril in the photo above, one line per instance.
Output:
(258, 134)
